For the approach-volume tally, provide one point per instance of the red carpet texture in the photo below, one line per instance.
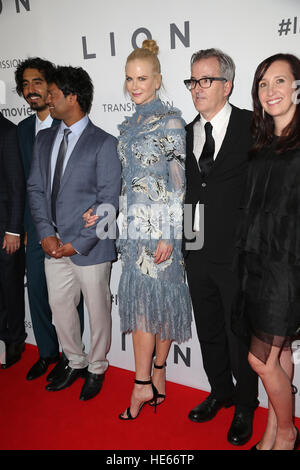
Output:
(33, 419)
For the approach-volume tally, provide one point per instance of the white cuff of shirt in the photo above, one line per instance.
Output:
(15, 234)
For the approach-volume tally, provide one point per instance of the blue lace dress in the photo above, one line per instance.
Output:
(153, 297)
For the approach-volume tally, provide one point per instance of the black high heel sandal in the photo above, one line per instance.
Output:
(128, 415)
(159, 395)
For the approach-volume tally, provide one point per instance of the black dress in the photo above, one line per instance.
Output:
(269, 244)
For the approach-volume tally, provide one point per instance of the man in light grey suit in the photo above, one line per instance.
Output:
(75, 167)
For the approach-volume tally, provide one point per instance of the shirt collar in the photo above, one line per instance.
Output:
(77, 128)
(45, 123)
(218, 120)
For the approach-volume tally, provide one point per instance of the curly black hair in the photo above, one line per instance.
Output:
(45, 67)
(76, 81)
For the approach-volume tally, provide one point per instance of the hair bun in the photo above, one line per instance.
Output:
(151, 45)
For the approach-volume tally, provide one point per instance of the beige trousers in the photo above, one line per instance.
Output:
(65, 281)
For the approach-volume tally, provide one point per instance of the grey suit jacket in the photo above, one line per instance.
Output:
(92, 178)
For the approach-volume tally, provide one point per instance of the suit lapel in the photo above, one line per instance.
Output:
(55, 122)
(48, 153)
(190, 143)
(230, 138)
(77, 153)
(31, 132)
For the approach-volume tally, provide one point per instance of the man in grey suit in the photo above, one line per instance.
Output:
(75, 167)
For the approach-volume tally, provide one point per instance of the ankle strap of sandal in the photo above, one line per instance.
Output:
(143, 382)
(159, 367)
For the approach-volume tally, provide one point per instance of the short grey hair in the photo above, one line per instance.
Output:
(227, 66)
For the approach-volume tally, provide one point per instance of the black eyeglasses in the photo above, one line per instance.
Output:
(204, 82)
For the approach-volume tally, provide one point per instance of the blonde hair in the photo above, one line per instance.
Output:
(148, 51)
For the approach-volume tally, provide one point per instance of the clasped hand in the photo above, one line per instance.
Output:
(54, 247)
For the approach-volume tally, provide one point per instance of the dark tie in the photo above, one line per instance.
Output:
(58, 171)
(206, 158)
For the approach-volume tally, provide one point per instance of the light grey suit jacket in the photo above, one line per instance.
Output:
(92, 178)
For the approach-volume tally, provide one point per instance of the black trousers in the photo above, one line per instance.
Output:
(213, 289)
(12, 304)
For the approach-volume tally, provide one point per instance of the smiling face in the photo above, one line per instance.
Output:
(209, 101)
(141, 81)
(275, 92)
(59, 105)
(35, 89)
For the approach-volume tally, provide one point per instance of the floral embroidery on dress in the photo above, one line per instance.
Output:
(146, 265)
(172, 146)
(153, 188)
(122, 153)
(146, 223)
(140, 150)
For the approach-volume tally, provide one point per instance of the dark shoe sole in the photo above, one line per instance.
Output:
(240, 443)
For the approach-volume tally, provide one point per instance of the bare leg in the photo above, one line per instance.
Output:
(276, 378)
(159, 375)
(143, 345)
(269, 436)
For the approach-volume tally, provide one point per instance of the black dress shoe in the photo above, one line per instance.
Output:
(58, 370)
(66, 379)
(41, 367)
(13, 353)
(208, 409)
(92, 386)
(240, 430)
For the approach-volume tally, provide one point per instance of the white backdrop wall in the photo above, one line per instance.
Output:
(98, 35)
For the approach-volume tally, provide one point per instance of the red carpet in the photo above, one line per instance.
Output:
(32, 418)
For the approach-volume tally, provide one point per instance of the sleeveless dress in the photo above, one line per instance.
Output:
(153, 297)
(269, 242)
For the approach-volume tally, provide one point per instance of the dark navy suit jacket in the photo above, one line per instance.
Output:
(26, 136)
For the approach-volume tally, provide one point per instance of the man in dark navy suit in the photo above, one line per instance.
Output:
(218, 142)
(32, 78)
(12, 199)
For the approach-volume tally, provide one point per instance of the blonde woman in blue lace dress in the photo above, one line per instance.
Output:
(154, 302)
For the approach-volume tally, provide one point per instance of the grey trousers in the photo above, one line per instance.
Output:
(65, 281)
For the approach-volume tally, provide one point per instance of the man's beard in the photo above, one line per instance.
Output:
(37, 107)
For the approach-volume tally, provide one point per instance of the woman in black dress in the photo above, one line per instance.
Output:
(270, 242)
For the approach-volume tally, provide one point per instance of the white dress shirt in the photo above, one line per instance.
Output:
(39, 125)
(219, 123)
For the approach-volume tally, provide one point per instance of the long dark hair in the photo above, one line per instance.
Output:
(263, 123)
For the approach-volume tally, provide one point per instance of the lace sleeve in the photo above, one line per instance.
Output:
(173, 143)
